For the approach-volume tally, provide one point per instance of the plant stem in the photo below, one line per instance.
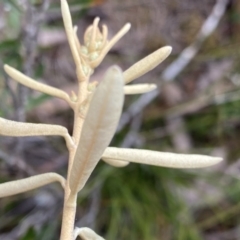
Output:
(69, 209)
(68, 220)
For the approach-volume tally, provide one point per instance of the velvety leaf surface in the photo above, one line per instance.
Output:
(99, 127)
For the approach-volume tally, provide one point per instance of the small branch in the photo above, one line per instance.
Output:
(209, 25)
(203, 100)
(172, 71)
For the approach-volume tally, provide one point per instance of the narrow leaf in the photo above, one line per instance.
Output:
(146, 64)
(164, 159)
(21, 129)
(115, 162)
(99, 127)
(31, 83)
(30, 183)
(86, 234)
(67, 20)
(139, 88)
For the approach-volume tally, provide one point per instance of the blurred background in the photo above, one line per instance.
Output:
(196, 109)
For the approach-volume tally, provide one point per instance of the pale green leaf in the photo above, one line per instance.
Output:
(99, 127)
(164, 159)
(21, 129)
(67, 20)
(139, 88)
(146, 64)
(31, 83)
(30, 183)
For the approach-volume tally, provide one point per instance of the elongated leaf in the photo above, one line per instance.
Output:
(98, 128)
(139, 88)
(86, 234)
(115, 162)
(67, 20)
(30, 183)
(29, 82)
(146, 64)
(164, 159)
(21, 129)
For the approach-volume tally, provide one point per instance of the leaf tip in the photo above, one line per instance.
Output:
(205, 161)
(9, 70)
(115, 71)
(166, 51)
(6, 67)
(215, 160)
(127, 26)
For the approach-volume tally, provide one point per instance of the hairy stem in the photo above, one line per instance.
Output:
(69, 209)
